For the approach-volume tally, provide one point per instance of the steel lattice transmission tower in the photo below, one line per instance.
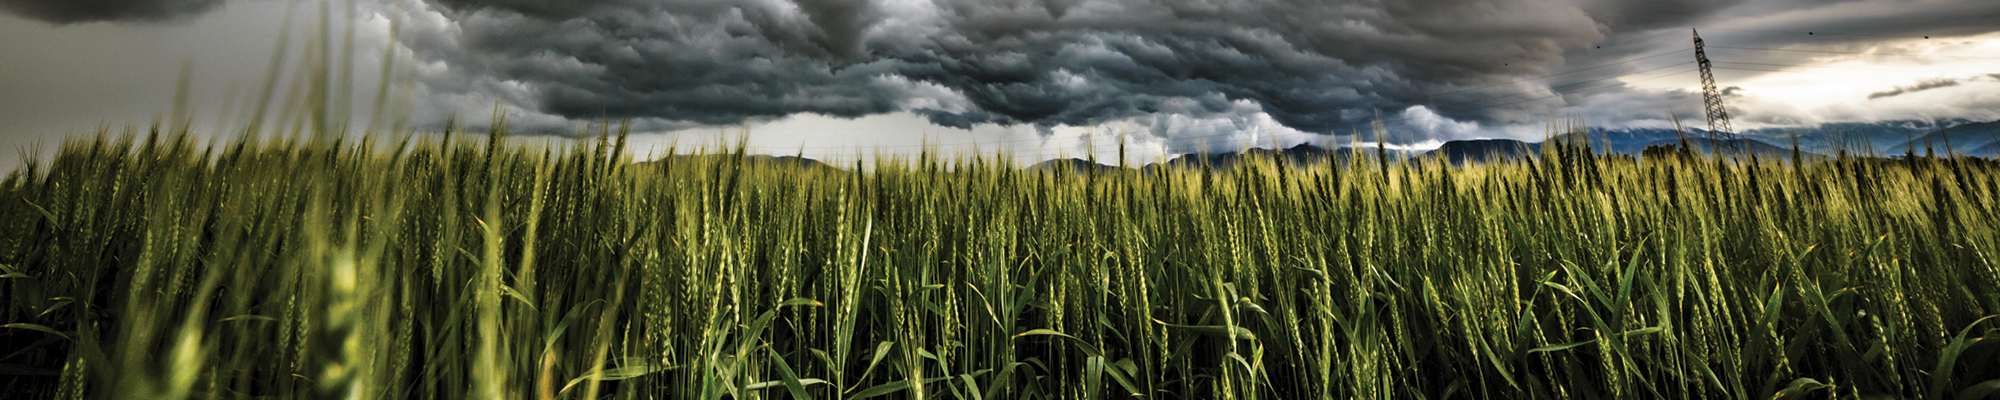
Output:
(1718, 117)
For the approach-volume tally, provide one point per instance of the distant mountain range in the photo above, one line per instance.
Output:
(1299, 154)
(1738, 146)
(1991, 150)
(1883, 138)
(789, 161)
(1890, 138)
(1975, 139)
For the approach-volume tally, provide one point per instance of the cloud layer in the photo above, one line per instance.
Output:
(1435, 69)
(1926, 84)
(1312, 66)
(78, 11)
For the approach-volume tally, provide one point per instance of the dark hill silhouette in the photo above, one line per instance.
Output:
(1624, 140)
(1076, 165)
(1743, 146)
(1460, 152)
(784, 161)
(1302, 154)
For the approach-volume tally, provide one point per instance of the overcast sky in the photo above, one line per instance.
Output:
(1037, 78)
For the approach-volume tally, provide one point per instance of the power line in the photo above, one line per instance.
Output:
(1626, 61)
(1855, 52)
(1580, 83)
(1820, 33)
(1637, 39)
(1837, 73)
(1843, 68)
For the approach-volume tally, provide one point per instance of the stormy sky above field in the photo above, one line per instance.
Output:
(1039, 78)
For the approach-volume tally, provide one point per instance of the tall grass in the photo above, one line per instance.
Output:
(465, 266)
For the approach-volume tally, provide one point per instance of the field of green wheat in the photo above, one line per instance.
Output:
(471, 266)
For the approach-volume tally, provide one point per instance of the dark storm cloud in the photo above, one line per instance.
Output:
(1639, 15)
(1923, 85)
(702, 62)
(963, 62)
(554, 9)
(1314, 66)
(78, 11)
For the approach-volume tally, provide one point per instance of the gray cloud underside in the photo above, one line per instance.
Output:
(1314, 66)
(1927, 84)
(1019, 62)
(79, 11)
